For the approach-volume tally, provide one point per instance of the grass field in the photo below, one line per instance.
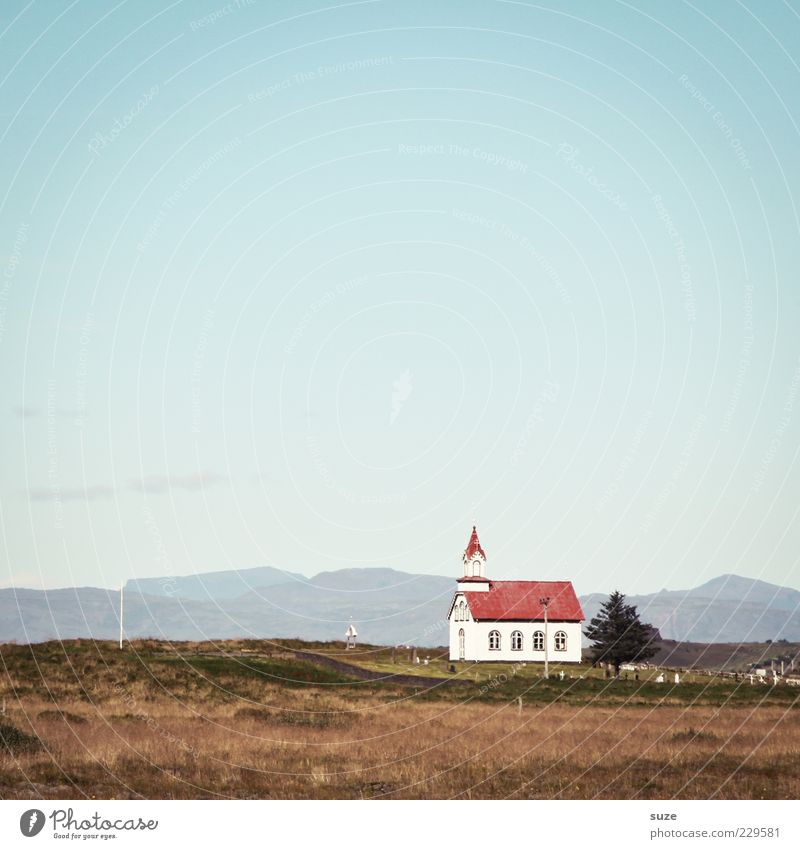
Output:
(250, 720)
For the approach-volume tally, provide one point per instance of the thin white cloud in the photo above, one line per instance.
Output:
(157, 484)
(95, 492)
(27, 412)
(152, 485)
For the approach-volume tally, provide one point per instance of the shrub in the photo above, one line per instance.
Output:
(73, 718)
(690, 734)
(17, 742)
(310, 719)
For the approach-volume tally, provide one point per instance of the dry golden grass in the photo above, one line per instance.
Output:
(169, 734)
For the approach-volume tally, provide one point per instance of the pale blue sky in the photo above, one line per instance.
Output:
(315, 286)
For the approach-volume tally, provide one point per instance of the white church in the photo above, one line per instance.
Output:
(512, 620)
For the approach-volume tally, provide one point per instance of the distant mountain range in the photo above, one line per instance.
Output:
(727, 609)
(387, 607)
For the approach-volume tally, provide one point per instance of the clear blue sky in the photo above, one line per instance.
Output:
(315, 286)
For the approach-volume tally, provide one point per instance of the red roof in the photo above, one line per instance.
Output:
(474, 546)
(522, 600)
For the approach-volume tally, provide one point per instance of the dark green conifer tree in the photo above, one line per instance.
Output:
(618, 635)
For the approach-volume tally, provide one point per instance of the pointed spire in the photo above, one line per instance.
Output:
(474, 560)
(474, 546)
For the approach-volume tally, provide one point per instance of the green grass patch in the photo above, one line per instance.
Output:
(287, 672)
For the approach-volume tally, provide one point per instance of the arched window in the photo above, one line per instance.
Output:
(494, 640)
(561, 641)
(538, 640)
(464, 611)
(516, 641)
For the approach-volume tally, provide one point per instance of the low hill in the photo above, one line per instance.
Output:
(726, 609)
(213, 585)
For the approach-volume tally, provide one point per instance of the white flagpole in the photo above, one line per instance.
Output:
(121, 612)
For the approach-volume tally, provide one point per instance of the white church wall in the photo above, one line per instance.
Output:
(475, 586)
(476, 641)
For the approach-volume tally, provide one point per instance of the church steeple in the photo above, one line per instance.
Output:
(474, 558)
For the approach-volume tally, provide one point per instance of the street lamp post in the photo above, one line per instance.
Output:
(544, 602)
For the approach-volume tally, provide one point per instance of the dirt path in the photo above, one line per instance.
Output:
(372, 675)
